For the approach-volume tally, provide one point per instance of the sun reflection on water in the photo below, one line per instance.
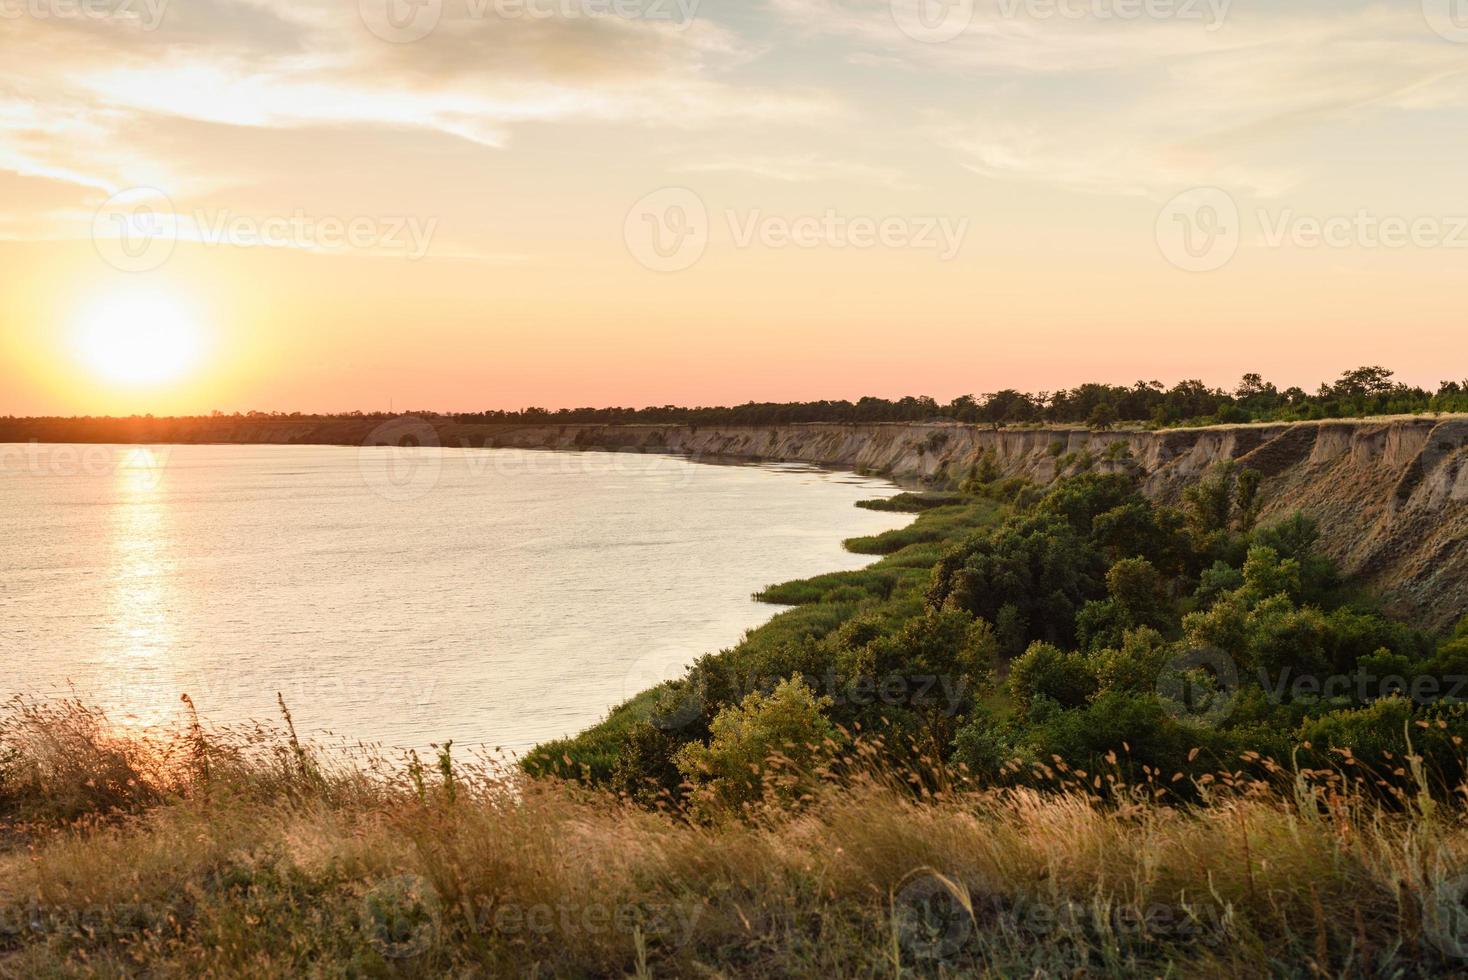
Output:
(142, 594)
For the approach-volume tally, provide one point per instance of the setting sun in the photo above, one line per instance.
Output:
(139, 337)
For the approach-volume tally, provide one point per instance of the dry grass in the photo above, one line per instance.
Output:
(204, 853)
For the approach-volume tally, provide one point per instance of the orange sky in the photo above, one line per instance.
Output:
(238, 204)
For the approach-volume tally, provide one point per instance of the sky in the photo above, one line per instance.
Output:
(456, 205)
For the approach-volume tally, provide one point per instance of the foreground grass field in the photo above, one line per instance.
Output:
(203, 853)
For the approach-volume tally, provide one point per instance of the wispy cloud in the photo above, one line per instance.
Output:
(1138, 106)
(799, 169)
(76, 93)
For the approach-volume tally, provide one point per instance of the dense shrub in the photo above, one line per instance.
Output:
(784, 732)
(1079, 622)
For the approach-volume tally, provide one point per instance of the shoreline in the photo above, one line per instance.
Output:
(810, 546)
(1391, 493)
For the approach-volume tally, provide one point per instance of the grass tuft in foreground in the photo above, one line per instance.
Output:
(200, 852)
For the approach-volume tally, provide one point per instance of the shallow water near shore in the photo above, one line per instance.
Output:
(403, 597)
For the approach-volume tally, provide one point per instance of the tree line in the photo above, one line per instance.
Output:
(1359, 392)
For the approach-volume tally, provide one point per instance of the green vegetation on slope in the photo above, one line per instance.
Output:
(890, 588)
(1082, 622)
(823, 604)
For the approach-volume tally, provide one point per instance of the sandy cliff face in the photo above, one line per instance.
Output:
(1391, 496)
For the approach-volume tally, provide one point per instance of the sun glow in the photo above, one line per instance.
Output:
(138, 337)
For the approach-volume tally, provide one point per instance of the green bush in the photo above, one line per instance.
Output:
(767, 743)
(1045, 671)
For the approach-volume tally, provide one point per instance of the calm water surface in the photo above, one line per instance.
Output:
(495, 597)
